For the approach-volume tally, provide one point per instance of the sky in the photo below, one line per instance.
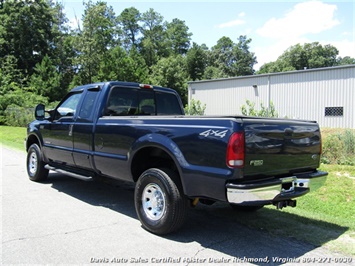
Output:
(273, 26)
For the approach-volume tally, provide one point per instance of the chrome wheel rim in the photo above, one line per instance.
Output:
(153, 201)
(32, 163)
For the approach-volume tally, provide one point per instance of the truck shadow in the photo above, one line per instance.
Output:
(271, 233)
(217, 227)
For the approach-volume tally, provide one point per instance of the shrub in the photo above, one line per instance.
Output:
(195, 108)
(17, 116)
(338, 147)
(349, 140)
(13, 103)
(249, 110)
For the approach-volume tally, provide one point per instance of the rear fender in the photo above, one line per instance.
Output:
(161, 142)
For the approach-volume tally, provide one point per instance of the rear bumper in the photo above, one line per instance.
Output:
(271, 191)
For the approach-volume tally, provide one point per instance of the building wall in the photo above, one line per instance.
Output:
(297, 94)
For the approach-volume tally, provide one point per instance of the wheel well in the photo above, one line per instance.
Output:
(31, 140)
(151, 157)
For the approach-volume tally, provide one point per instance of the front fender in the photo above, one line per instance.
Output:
(33, 135)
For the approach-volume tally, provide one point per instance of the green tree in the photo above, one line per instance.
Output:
(129, 21)
(244, 59)
(137, 70)
(46, 80)
(112, 66)
(118, 65)
(154, 43)
(347, 60)
(196, 61)
(171, 72)
(274, 67)
(221, 56)
(63, 44)
(10, 76)
(229, 59)
(212, 72)
(178, 36)
(26, 32)
(99, 33)
(320, 56)
(309, 55)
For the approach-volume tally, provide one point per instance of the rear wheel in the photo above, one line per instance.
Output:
(35, 165)
(160, 203)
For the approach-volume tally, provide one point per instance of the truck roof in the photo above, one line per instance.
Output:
(122, 83)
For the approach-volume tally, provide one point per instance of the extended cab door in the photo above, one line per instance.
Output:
(114, 133)
(58, 135)
(118, 128)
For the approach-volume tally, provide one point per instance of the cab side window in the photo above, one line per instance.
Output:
(130, 101)
(86, 109)
(122, 101)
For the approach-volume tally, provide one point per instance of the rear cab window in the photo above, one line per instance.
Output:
(136, 102)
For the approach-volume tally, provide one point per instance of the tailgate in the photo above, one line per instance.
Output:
(280, 147)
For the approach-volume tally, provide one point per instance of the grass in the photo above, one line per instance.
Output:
(335, 201)
(323, 218)
(13, 137)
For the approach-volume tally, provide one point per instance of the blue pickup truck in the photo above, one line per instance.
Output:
(139, 133)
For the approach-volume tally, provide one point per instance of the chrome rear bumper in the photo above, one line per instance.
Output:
(270, 191)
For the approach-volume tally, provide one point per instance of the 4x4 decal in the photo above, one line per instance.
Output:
(214, 133)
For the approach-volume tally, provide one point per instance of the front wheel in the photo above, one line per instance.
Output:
(160, 204)
(35, 165)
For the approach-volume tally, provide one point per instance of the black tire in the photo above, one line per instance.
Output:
(246, 208)
(35, 165)
(160, 203)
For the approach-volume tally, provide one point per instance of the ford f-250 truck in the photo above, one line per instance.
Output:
(139, 133)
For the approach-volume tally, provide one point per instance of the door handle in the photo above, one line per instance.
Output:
(70, 130)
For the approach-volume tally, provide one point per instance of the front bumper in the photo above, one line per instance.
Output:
(271, 191)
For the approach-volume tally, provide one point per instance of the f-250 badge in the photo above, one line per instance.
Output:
(256, 162)
(214, 133)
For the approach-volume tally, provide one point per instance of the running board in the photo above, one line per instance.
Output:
(61, 171)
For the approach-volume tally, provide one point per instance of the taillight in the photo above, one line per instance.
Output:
(235, 150)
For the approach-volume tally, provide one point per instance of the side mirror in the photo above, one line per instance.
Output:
(39, 112)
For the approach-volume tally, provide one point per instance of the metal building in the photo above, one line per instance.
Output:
(326, 95)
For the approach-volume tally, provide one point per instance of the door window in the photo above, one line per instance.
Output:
(68, 107)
